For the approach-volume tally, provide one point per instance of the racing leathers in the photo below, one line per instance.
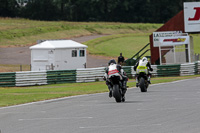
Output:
(123, 79)
(144, 62)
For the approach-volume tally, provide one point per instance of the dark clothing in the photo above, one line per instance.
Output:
(120, 59)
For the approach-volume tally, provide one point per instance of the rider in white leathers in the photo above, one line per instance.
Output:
(123, 76)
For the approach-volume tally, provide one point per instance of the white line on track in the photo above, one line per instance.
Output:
(52, 100)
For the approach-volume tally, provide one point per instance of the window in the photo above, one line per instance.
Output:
(82, 53)
(74, 53)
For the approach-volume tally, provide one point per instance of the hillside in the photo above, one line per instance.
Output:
(23, 32)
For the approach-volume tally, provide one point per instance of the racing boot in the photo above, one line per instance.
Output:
(148, 80)
(124, 89)
(123, 99)
(110, 91)
(136, 80)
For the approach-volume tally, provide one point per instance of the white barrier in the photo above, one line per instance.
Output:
(187, 69)
(31, 78)
(154, 72)
(198, 67)
(90, 74)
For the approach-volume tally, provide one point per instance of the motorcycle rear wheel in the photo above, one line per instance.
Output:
(116, 93)
(142, 84)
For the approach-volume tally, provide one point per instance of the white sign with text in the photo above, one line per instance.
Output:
(158, 35)
(192, 16)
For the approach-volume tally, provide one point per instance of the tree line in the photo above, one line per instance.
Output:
(134, 11)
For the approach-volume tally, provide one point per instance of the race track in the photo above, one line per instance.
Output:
(165, 108)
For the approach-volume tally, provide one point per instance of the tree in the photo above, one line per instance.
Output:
(143, 11)
(41, 10)
(8, 8)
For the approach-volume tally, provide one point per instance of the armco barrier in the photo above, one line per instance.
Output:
(61, 76)
(155, 69)
(7, 79)
(198, 67)
(128, 70)
(168, 70)
(90, 74)
(29, 78)
(188, 69)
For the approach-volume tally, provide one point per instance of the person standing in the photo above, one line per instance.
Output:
(120, 59)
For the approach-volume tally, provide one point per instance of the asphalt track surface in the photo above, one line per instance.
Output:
(165, 108)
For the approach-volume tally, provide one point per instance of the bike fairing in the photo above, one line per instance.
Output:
(112, 70)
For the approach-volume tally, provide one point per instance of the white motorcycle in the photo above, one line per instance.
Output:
(115, 79)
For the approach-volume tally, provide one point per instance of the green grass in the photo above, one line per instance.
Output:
(14, 67)
(19, 95)
(128, 44)
(196, 43)
(21, 32)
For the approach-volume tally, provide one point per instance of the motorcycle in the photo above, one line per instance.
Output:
(115, 79)
(142, 78)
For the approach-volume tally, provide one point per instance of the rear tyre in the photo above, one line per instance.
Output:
(116, 93)
(143, 87)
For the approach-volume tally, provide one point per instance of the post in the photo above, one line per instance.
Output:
(160, 55)
(186, 52)
(20, 67)
(174, 54)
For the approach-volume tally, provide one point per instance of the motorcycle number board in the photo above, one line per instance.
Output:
(192, 16)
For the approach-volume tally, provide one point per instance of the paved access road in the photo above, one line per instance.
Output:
(22, 55)
(165, 108)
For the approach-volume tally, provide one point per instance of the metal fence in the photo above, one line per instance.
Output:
(28, 78)
(31, 78)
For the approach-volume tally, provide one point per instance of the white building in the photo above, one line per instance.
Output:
(58, 55)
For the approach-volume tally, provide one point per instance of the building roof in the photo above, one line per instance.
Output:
(58, 44)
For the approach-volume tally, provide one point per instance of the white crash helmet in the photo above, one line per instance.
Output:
(144, 59)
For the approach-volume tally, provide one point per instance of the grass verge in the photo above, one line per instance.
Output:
(111, 46)
(14, 68)
(19, 95)
(128, 44)
(23, 32)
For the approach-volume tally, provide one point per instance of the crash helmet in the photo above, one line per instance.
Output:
(144, 59)
(112, 62)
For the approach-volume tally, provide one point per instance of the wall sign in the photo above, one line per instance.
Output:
(175, 40)
(158, 35)
(192, 16)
